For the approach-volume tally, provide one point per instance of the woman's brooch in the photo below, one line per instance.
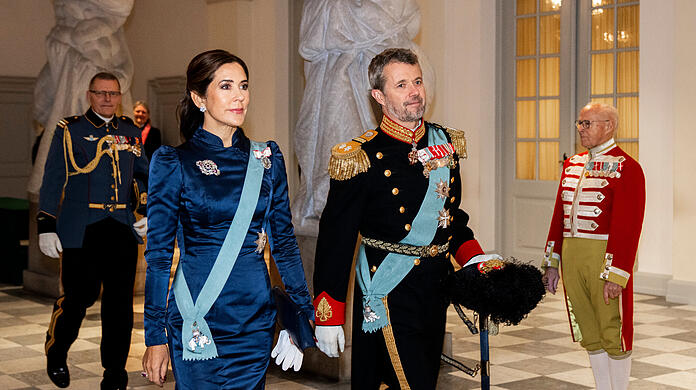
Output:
(208, 167)
(264, 155)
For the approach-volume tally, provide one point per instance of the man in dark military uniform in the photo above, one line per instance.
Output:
(399, 187)
(95, 176)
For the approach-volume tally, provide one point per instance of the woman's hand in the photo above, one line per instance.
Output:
(155, 363)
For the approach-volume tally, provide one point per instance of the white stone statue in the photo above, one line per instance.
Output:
(338, 39)
(88, 38)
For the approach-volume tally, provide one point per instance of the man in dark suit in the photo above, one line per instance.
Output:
(94, 178)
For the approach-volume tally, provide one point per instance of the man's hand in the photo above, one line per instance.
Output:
(49, 243)
(140, 227)
(551, 278)
(155, 363)
(330, 339)
(611, 291)
(286, 354)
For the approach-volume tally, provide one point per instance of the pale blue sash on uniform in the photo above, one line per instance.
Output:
(197, 340)
(395, 266)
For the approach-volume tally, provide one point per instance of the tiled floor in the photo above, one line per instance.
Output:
(537, 354)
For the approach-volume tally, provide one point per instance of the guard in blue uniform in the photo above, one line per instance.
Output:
(95, 177)
(399, 187)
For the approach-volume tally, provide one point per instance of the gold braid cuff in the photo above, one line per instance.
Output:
(458, 141)
(393, 352)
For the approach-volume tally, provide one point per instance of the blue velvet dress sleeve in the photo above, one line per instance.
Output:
(165, 185)
(282, 239)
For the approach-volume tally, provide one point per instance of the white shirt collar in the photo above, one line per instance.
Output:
(603, 148)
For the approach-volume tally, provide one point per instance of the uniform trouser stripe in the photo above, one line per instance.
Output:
(57, 311)
(393, 352)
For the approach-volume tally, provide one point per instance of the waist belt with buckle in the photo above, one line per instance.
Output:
(405, 249)
(108, 206)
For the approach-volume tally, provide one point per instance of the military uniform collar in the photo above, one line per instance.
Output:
(603, 148)
(97, 121)
(239, 139)
(401, 133)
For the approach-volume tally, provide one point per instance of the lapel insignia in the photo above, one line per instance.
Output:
(91, 138)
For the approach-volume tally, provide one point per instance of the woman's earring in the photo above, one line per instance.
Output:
(202, 108)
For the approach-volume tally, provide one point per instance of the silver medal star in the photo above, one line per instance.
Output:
(261, 241)
(442, 190)
(443, 219)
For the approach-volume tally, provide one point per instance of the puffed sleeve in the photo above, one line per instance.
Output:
(282, 241)
(165, 187)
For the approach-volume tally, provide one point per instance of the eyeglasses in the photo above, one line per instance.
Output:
(102, 94)
(585, 124)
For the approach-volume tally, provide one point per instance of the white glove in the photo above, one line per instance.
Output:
(287, 353)
(140, 227)
(49, 243)
(330, 339)
(481, 258)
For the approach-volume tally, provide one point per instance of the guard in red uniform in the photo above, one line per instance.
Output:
(593, 237)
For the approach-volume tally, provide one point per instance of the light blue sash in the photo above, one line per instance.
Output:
(396, 266)
(196, 338)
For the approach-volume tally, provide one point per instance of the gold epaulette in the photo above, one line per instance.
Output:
(458, 141)
(67, 120)
(348, 159)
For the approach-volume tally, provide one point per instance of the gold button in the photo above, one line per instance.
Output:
(449, 238)
(451, 218)
(416, 261)
(452, 199)
(402, 209)
(452, 180)
(379, 155)
(113, 186)
(374, 268)
(395, 191)
(387, 173)
(407, 227)
(112, 198)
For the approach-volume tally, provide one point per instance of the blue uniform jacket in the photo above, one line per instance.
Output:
(92, 184)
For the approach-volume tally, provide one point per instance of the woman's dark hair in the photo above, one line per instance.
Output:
(199, 75)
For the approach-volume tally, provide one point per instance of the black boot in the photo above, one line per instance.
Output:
(114, 380)
(59, 375)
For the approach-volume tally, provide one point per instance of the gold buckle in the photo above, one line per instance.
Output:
(433, 250)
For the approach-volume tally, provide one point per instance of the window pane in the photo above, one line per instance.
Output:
(526, 7)
(549, 168)
(602, 74)
(627, 72)
(526, 119)
(549, 76)
(549, 118)
(551, 5)
(628, 31)
(526, 156)
(609, 100)
(549, 34)
(628, 117)
(526, 78)
(631, 148)
(602, 28)
(526, 36)
(599, 3)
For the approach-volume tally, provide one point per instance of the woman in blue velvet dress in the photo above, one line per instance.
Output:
(221, 196)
